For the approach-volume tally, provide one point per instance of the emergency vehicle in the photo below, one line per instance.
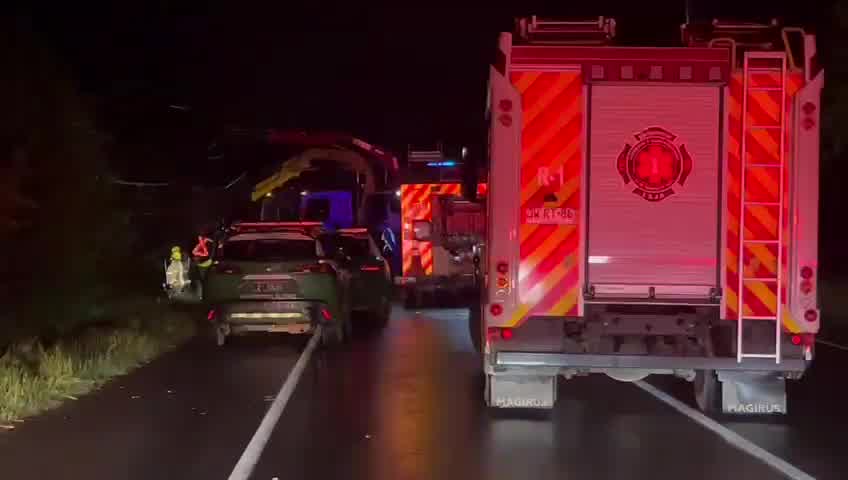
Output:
(441, 230)
(651, 211)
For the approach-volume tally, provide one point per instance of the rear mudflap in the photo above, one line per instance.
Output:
(757, 393)
(521, 391)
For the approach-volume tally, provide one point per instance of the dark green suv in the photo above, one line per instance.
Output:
(277, 278)
(371, 278)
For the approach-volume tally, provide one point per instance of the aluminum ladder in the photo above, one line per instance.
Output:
(765, 62)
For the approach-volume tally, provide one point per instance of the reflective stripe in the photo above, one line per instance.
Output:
(201, 250)
(267, 315)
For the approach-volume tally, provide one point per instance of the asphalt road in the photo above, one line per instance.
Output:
(405, 403)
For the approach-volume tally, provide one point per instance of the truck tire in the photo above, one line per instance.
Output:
(220, 337)
(707, 389)
(347, 328)
(410, 299)
(383, 313)
(475, 326)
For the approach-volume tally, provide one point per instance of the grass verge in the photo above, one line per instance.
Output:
(35, 378)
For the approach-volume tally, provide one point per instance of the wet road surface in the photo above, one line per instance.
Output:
(405, 403)
(186, 415)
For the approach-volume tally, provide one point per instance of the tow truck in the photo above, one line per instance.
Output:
(651, 211)
(441, 230)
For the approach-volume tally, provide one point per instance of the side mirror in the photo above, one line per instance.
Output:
(422, 230)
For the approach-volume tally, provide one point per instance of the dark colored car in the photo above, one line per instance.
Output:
(277, 280)
(371, 278)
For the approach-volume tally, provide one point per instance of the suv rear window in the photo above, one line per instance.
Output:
(317, 209)
(268, 250)
(355, 247)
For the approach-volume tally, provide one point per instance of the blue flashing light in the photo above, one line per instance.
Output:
(448, 163)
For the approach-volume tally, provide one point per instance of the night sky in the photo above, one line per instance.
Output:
(391, 75)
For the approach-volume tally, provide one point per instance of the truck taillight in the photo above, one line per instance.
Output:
(806, 273)
(503, 268)
(811, 315)
(809, 108)
(496, 309)
(806, 287)
(505, 105)
(326, 314)
(504, 333)
(506, 120)
(211, 315)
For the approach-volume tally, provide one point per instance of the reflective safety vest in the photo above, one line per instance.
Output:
(201, 250)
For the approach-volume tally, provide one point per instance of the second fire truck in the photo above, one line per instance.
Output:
(441, 230)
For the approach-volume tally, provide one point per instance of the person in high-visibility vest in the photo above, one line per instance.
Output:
(201, 254)
(176, 273)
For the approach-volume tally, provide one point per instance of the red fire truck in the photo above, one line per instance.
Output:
(651, 211)
(441, 230)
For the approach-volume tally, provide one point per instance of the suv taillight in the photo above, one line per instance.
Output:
(317, 268)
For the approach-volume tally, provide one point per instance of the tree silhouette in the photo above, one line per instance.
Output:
(61, 235)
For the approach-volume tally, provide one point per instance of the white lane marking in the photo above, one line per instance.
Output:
(250, 456)
(728, 435)
(832, 345)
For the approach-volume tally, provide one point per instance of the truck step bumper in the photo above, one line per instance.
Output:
(589, 361)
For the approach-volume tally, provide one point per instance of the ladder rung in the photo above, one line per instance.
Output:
(759, 355)
(765, 89)
(759, 279)
(764, 127)
(764, 70)
(758, 318)
(766, 165)
(765, 242)
(764, 204)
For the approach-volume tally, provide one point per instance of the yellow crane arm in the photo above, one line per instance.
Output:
(289, 171)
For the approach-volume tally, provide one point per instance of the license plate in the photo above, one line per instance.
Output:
(549, 215)
(269, 287)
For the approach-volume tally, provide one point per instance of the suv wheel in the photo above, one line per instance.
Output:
(332, 335)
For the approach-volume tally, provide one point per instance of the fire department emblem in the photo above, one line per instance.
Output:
(654, 164)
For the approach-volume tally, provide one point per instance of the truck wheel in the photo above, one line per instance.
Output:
(475, 326)
(707, 391)
(410, 298)
(347, 327)
(383, 313)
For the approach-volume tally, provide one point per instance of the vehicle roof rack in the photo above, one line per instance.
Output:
(416, 154)
(353, 231)
(740, 37)
(309, 228)
(555, 31)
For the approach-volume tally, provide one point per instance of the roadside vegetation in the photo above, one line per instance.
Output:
(77, 289)
(36, 375)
